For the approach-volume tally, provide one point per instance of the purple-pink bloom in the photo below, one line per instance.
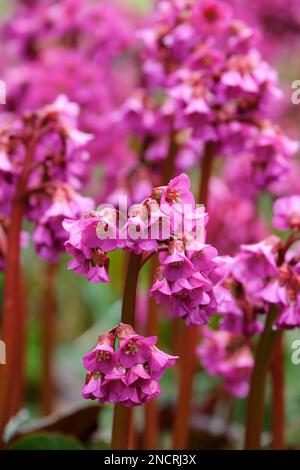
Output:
(128, 375)
(287, 213)
(228, 356)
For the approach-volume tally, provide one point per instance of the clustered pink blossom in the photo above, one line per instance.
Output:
(185, 281)
(48, 50)
(205, 79)
(277, 23)
(261, 278)
(203, 87)
(167, 222)
(128, 375)
(235, 220)
(205, 83)
(287, 213)
(49, 143)
(227, 355)
(263, 275)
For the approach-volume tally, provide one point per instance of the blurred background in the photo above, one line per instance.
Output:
(82, 310)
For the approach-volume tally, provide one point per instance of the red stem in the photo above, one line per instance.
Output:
(21, 372)
(13, 327)
(150, 438)
(48, 326)
(123, 417)
(256, 398)
(278, 405)
(191, 334)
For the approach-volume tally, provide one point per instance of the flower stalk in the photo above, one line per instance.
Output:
(256, 398)
(123, 417)
(278, 406)
(13, 310)
(48, 324)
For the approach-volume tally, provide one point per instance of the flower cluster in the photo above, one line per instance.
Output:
(167, 222)
(185, 281)
(277, 21)
(235, 220)
(261, 278)
(206, 82)
(43, 155)
(264, 275)
(227, 355)
(128, 375)
(51, 47)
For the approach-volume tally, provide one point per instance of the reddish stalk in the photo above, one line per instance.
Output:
(123, 417)
(176, 336)
(48, 327)
(191, 334)
(150, 436)
(277, 381)
(13, 327)
(256, 398)
(21, 372)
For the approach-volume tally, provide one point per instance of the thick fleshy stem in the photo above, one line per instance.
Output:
(21, 372)
(13, 327)
(278, 405)
(123, 417)
(48, 326)
(151, 413)
(256, 398)
(190, 334)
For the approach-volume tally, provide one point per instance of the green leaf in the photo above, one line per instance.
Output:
(46, 442)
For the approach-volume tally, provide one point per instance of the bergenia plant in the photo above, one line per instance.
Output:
(157, 142)
(43, 160)
(169, 223)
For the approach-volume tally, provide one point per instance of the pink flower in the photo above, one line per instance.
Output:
(187, 286)
(135, 350)
(159, 361)
(103, 357)
(129, 374)
(92, 389)
(211, 15)
(228, 356)
(160, 289)
(49, 235)
(176, 263)
(176, 192)
(256, 264)
(136, 233)
(287, 213)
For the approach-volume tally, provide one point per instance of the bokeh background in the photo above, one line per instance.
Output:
(83, 310)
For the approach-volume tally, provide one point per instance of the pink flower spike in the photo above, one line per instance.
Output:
(135, 350)
(159, 361)
(92, 389)
(102, 359)
(287, 213)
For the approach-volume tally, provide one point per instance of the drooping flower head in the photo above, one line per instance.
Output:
(227, 355)
(128, 374)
